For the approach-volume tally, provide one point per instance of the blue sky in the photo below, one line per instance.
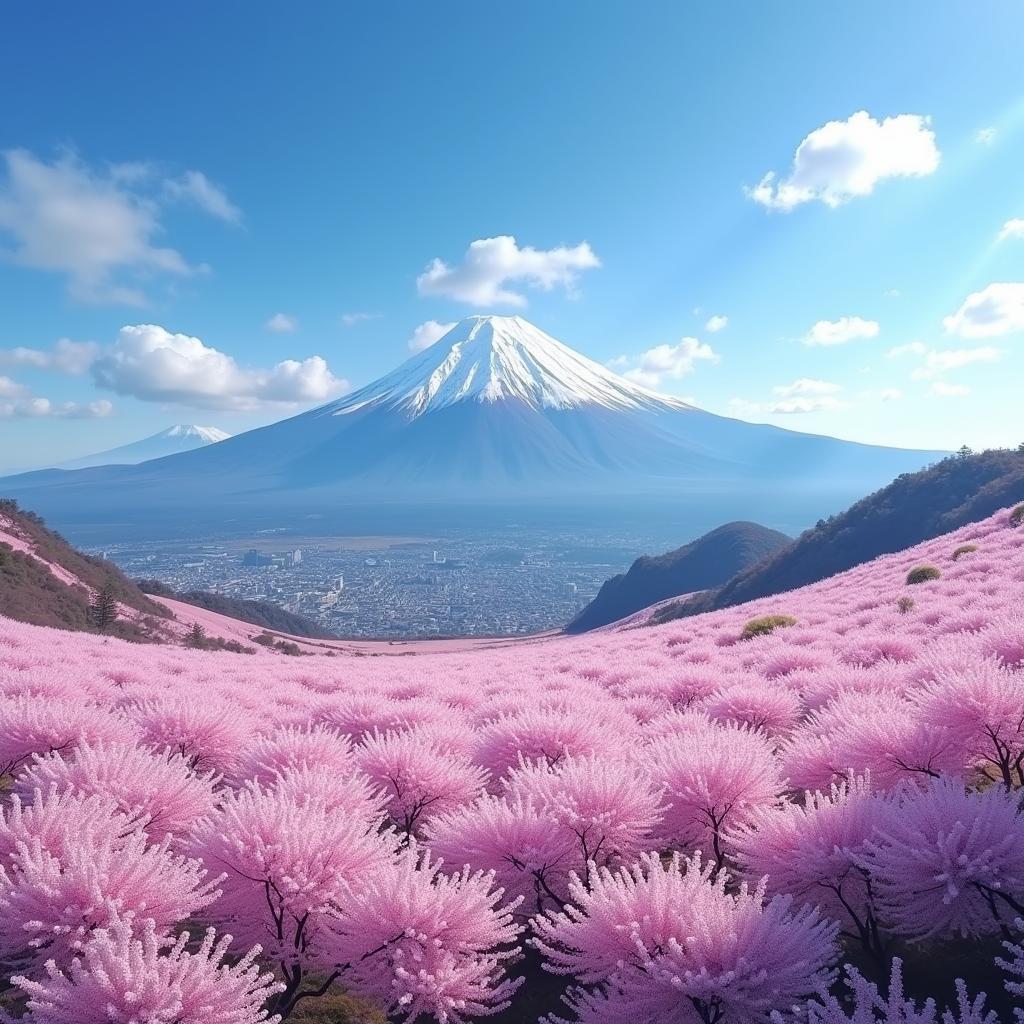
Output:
(204, 169)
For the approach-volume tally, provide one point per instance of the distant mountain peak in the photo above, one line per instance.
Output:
(491, 359)
(208, 435)
(182, 437)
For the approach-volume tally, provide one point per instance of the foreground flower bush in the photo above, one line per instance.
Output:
(675, 825)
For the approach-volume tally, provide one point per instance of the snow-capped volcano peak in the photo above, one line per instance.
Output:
(208, 435)
(497, 359)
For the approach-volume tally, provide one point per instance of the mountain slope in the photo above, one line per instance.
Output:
(709, 561)
(45, 581)
(257, 613)
(913, 508)
(495, 412)
(182, 437)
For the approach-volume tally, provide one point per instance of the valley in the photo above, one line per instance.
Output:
(467, 584)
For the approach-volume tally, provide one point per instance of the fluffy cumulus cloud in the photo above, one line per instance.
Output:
(281, 323)
(426, 334)
(845, 159)
(491, 265)
(1013, 228)
(152, 364)
(990, 313)
(98, 228)
(663, 362)
(986, 136)
(839, 332)
(943, 361)
(716, 323)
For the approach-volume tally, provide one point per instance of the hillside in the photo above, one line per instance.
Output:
(898, 702)
(915, 507)
(709, 561)
(45, 581)
(258, 613)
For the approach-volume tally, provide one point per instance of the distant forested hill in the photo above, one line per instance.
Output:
(258, 613)
(709, 561)
(915, 507)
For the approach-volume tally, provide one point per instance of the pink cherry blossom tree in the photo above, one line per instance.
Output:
(127, 976)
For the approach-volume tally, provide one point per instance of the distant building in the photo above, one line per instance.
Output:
(296, 556)
(254, 558)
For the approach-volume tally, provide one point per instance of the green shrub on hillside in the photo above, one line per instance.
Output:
(1017, 515)
(964, 549)
(905, 604)
(766, 624)
(923, 573)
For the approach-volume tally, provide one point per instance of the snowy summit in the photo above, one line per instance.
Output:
(500, 358)
(182, 437)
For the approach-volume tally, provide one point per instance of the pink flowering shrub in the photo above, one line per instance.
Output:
(947, 861)
(607, 812)
(519, 842)
(38, 725)
(424, 943)
(666, 943)
(417, 777)
(157, 790)
(813, 850)
(50, 901)
(712, 778)
(124, 977)
(870, 1006)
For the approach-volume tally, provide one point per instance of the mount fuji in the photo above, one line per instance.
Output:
(182, 437)
(495, 413)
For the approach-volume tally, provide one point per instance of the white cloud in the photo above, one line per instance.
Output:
(281, 323)
(672, 361)
(97, 227)
(35, 408)
(817, 403)
(195, 187)
(150, 363)
(426, 334)
(65, 356)
(940, 387)
(839, 332)
(806, 386)
(351, 319)
(785, 406)
(892, 293)
(716, 323)
(995, 310)
(986, 136)
(936, 363)
(491, 263)
(1013, 228)
(912, 348)
(844, 159)
(11, 389)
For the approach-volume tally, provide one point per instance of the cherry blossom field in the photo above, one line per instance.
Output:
(727, 819)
